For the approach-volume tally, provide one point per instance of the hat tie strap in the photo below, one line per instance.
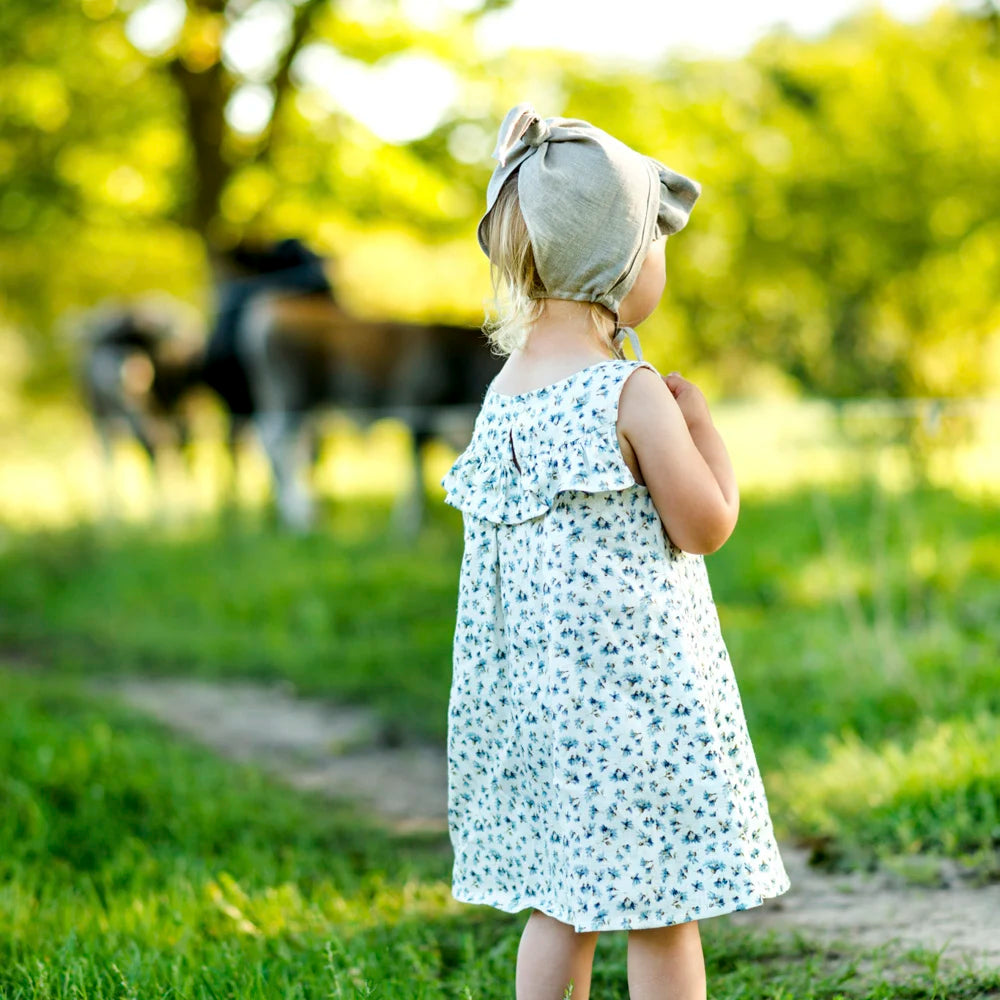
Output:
(633, 339)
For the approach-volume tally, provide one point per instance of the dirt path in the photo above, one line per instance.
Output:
(320, 746)
(310, 744)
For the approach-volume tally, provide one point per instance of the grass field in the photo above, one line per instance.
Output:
(863, 622)
(849, 642)
(135, 866)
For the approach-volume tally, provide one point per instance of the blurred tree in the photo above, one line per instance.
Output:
(208, 77)
(848, 235)
(849, 228)
(117, 152)
(206, 86)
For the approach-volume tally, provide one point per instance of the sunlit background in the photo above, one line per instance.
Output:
(845, 246)
(834, 294)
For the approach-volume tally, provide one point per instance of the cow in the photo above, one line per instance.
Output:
(136, 363)
(281, 350)
(303, 354)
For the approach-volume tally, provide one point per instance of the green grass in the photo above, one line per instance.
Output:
(938, 795)
(134, 865)
(345, 613)
(853, 616)
(863, 628)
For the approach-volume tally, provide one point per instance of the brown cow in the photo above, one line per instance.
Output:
(305, 352)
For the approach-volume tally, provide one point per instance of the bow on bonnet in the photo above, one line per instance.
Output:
(592, 204)
(522, 123)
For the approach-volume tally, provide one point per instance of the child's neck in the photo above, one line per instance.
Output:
(565, 330)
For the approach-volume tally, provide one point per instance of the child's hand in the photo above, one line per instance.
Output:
(689, 398)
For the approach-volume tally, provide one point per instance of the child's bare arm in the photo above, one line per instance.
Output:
(682, 457)
(713, 450)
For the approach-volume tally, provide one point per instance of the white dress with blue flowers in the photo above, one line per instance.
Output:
(599, 764)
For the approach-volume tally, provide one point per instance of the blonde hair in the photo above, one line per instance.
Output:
(518, 290)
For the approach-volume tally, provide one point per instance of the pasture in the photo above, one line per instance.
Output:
(860, 605)
(835, 292)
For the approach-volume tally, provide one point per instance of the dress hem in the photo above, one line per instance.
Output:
(507, 907)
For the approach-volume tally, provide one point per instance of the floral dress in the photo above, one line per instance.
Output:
(599, 764)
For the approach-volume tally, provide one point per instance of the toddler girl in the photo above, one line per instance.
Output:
(599, 765)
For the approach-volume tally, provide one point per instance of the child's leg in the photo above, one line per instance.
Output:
(550, 955)
(666, 963)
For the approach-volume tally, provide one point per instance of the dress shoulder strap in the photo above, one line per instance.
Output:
(616, 383)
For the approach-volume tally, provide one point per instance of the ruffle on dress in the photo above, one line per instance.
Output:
(485, 482)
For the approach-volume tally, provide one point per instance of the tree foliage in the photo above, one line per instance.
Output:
(848, 235)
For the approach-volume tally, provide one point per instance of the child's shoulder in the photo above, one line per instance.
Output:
(641, 382)
(643, 396)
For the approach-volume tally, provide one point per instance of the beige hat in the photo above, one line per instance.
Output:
(592, 205)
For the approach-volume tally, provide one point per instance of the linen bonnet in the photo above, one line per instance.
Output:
(592, 206)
